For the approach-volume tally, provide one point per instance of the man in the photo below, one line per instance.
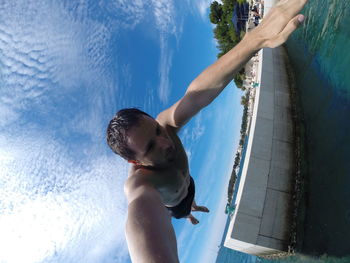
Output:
(157, 154)
(159, 183)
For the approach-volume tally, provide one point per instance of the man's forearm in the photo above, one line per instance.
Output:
(208, 85)
(215, 78)
(274, 30)
(150, 235)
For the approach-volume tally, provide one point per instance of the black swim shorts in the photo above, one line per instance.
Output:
(184, 208)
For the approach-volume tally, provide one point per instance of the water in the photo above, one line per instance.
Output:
(319, 54)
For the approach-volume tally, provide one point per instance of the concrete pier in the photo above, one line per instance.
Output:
(260, 224)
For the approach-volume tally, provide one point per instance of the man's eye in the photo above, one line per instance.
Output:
(150, 147)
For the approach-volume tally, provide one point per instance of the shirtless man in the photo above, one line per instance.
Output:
(157, 156)
(159, 181)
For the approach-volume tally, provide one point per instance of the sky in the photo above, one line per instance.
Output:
(66, 67)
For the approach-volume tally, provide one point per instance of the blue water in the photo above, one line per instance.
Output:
(320, 57)
(319, 54)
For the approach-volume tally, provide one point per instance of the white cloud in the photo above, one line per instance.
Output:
(215, 42)
(164, 14)
(210, 229)
(185, 139)
(202, 6)
(150, 102)
(55, 207)
(7, 114)
(165, 63)
(191, 134)
(198, 129)
(167, 22)
(40, 60)
(126, 13)
(215, 231)
(127, 75)
(187, 238)
(189, 155)
(64, 207)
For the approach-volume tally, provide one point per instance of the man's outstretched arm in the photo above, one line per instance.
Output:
(149, 232)
(275, 29)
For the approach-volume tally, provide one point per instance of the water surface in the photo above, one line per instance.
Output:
(320, 55)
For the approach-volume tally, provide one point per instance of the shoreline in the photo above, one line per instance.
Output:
(273, 143)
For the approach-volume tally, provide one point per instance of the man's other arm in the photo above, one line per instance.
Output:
(274, 30)
(149, 232)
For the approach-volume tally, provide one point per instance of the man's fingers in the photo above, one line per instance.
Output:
(282, 37)
(292, 25)
(293, 7)
(300, 18)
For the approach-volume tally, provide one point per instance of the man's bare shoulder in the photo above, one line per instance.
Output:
(163, 120)
(166, 119)
(138, 178)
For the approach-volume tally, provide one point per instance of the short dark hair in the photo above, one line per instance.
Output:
(118, 127)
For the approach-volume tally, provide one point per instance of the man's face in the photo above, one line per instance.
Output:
(151, 143)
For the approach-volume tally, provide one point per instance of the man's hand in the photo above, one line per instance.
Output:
(278, 24)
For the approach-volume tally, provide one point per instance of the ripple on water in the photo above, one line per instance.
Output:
(319, 54)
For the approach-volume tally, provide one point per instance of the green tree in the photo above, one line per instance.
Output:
(221, 33)
(228, 7)
(237, 160)
(231, 185)
(215, 12)
(224, 32)
(244, 100)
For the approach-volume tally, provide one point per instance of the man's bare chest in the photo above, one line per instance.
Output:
(173, 182)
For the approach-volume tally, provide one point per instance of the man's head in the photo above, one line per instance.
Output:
(138, 138)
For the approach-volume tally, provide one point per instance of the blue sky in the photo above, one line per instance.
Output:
(65, 69)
